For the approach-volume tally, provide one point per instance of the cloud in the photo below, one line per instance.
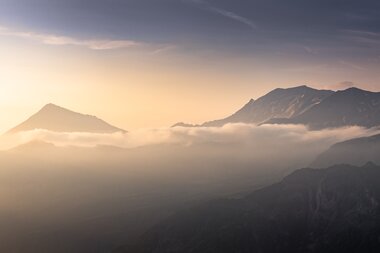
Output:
(163, 49)
(345, 85)
(310, 50)
(351, 65)
(228, 14)
(362, 36)
(57, 40)
(340, 86)
(234, 16)
(247, 134)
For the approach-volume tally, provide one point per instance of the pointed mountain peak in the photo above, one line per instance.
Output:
(299, 88)
(250, 102)
(54, 108)
(55, 118)
(51, 106)
(302, 87)
(183, 124)
(50, 109)
(34, 145)
(354, 90)
(370, 165)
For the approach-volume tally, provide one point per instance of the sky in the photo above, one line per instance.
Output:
(151, 63)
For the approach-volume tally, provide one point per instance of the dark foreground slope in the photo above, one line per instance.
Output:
(327, 210)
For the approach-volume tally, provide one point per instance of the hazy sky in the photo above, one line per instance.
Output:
(149, 63)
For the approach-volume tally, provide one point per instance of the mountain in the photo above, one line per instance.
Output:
(182, 124)
(279, 103)
(326, 210)
(54, 118)
(354, 152)
(317, 109)
(351, 107)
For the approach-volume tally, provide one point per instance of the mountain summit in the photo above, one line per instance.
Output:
(55, 118)
(279, 103)
(350, 107)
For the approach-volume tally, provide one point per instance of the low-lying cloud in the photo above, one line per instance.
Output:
(265, 135)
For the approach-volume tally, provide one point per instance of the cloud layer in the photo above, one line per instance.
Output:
(265, 135)
(57, 40)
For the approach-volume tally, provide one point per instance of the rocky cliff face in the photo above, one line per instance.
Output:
(327, 210)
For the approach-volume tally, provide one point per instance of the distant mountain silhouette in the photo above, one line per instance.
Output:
(182, 124)
(279, 103)
(319, 211)
(351, 107)
(54, 118)
(354, 152)
(33, 146)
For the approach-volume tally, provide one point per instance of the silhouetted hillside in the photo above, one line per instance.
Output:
(354, 152)
(327, 210)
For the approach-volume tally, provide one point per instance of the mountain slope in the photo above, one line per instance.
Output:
(54, 118)
(328, 210)
(279, 103)
(354, 152)
(351, 107)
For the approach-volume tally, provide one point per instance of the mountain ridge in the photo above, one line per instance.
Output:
(278, 103)
(316, 109)
(350, 107)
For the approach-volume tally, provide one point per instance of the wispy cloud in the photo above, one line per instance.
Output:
(310, 50)
(57, 40)
(340, 86)
(228, 14)
(163, 49)
(351, 65)
(362, 36)
(234, 16)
